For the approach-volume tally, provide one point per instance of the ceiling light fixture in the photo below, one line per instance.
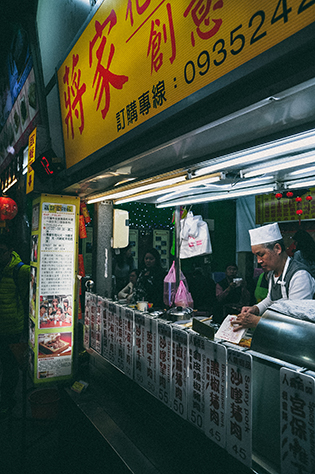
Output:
(130, 191)
(284, 164)
(10, 185)
(290, 145)
(311, 169)
(305, 183)
(217, 196)
(180, 187)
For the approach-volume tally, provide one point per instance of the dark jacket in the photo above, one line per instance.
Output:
(12, 296)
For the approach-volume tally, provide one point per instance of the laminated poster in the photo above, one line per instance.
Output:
(54, 354)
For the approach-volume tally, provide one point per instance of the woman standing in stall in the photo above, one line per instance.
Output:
(149, 286)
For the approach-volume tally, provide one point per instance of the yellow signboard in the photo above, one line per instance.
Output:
(31, 159)
(136, 59)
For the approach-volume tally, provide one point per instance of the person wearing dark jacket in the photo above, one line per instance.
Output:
(231, 294)
(14, 288)
(150, 282)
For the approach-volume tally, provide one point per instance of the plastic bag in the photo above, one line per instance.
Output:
(170, 285)
(183, 298)
(195, 237)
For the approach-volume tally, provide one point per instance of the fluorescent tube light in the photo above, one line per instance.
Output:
(131, 191)
(179, 189)
(306, 183)
(217, 196)
(305, 159)
(10, 185)
(289, 145)
(311, 169)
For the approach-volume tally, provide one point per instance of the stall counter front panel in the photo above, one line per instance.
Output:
(216, 386)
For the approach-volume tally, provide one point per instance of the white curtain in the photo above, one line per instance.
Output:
(245, 220)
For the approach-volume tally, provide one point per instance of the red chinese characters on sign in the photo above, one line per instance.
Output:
(200, 13)
(157, 34)
(103, 77)
(161, 32)
(140, 9)
(74, 95)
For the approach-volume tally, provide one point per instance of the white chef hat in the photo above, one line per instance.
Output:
(265, 234)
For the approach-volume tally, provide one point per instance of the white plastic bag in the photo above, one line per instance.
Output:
(195, 237)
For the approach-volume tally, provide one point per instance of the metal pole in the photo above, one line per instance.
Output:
(177, 244)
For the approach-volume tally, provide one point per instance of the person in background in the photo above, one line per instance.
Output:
(123, 263)
(149, 285)
(202, 289)
(261, 286)
(14, 290)
(305, 250)
(230, 295)
(128, 290)
(288, 279)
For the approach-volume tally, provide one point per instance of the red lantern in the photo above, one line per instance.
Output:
(289, 194)
(309, 198)
(299, 212)
(278, 196)
(8, 208)
(298, 199)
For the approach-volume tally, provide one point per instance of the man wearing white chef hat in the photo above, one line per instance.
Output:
(288, 278)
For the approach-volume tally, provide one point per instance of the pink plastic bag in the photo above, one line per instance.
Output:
(183, 298)
(170, 285)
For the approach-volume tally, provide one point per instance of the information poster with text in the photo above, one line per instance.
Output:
(53, 296)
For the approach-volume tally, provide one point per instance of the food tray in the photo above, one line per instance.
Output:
(50, 350)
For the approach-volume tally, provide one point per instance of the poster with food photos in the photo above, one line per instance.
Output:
(54, 261)
(54, 355)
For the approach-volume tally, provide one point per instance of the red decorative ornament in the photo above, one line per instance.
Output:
(299, 213)
(289, 194)
(298, 199)
(278, 196)
(8, 208)
(309, 198)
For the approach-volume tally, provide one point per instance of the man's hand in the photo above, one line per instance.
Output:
(248, 318)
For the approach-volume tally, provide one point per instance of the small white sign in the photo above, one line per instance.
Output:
(226, 331)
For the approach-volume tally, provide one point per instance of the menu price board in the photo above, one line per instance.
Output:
(179, 371)
(196, 379)
(215, 392)
(128, 339)
(297, 407)
(52, 287)
(239, 406)
(145, 355)
(87, 320)
(95, 322)
(164, 361)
